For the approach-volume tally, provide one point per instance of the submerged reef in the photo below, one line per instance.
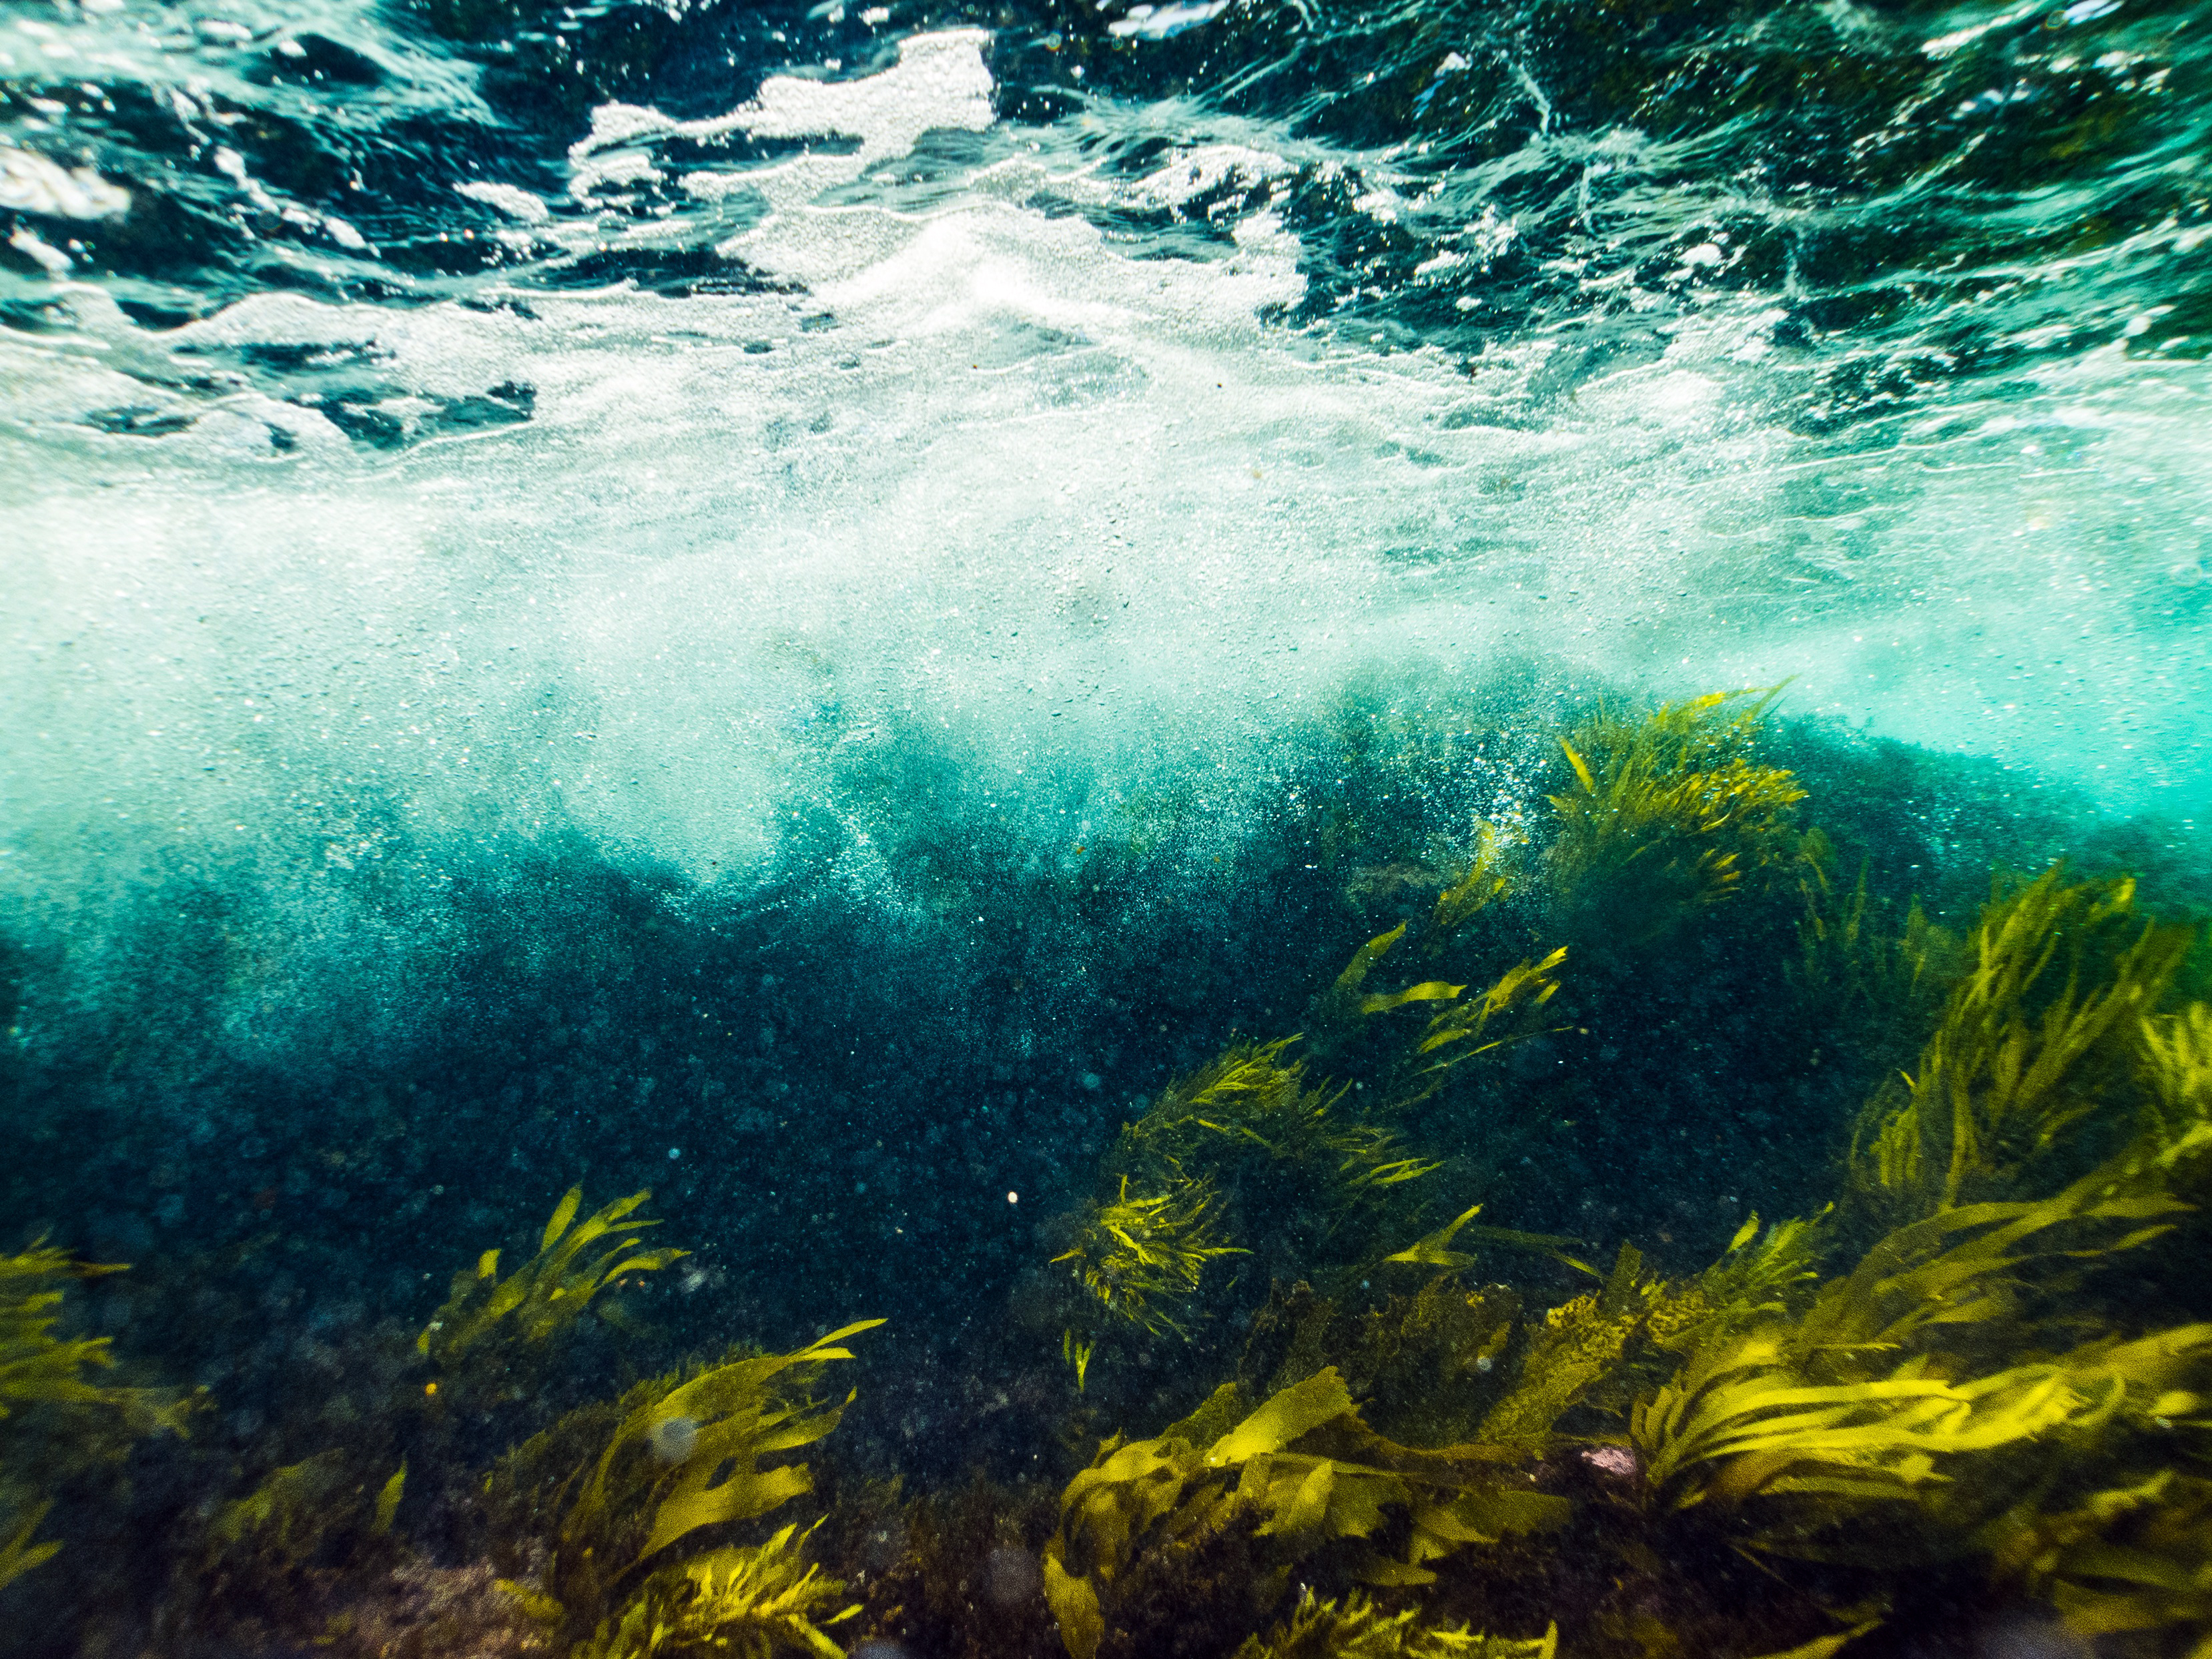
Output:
(1314, 1357)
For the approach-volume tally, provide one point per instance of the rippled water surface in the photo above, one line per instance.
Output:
(806, 607)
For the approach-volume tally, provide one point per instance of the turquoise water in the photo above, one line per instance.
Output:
(806, 607)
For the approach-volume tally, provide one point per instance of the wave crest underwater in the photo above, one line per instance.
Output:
(845, 613)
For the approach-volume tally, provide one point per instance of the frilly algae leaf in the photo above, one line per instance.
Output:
(751, 1602)
(1296, 1411)
(1580, 1344)
(546, 1296)
(1299, 1472)
(1357, 1629)
(2046, 1019)
(1140, 1258)
(52, 1375)
(1672, 798)
(686, 1456)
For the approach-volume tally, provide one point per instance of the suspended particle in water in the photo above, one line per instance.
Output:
(673, 1439)
(1011, 1578)
(1014, 1198)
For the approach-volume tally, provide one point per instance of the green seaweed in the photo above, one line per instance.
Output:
(1579, 1345)
(1851, 972)
(1668, 814)
(2175, 1124)
(2042, 1029)
(1300, 1473)
(1139, 1249)
(1962, 1382)
(751, 1602)
(680, 1454)
(2130, 1560)
(490, 1323)
(1357, 1629)
(289, 1519)
(53, 1412)
(1141, 1258)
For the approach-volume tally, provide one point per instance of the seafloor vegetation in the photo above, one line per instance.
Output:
(1312, 1381)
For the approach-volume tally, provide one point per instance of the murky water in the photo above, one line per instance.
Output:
(816, 608)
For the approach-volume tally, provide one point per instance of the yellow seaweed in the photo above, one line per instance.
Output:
(1357, 1629)
(1673, 800)
(1484, 883)
(48, 1390)
(1140, 1258)
(548, 1293)
(2045, 1020)
(750, 1602)
(675, 1456)
(1581, 1342)
(1300, 1471)
(2176, 1121)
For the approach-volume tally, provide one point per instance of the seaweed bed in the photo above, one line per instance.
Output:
(1678, 1183)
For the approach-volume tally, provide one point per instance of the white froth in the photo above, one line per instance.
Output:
(517, 203)
(30, 183)
(986, 470)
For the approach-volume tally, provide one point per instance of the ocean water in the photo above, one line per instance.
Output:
(804, 607)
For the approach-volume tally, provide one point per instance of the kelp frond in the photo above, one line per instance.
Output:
(2133, 1557)
(1579, 1343)
(81, 1418)
(1484, 883)
(1902, 1368)
(2177, 1071)
(1357, 1629)
(1300, 1472)
(1848, 967)
(1673, 799)
(2042, 1024)
(752, 1603)
(1482, 1024)
(550, 1292)
(1141, 1258)
(687, 1455)
(1737, 1423)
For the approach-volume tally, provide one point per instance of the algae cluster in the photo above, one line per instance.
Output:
(1317, 1395)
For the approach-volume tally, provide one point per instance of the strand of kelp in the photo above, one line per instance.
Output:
(1940, 1377)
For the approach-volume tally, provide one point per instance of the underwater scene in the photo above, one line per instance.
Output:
(1203, 828)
